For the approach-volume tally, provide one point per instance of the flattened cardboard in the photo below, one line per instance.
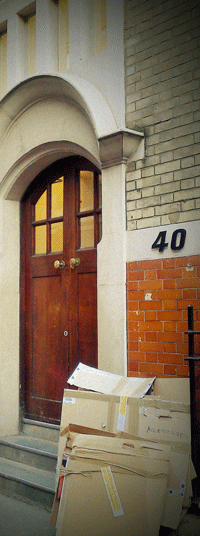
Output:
(191, 474)
(178, 471)
(150, 417)
(173, 389)
(74, 429)
(132, 445)
(88, 409)
(165, 422)
(176, 486)
(71, 427)
(85, 508)
(100, 381)
(178, 491)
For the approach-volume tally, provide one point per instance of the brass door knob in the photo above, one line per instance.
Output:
(59, 264)
(74, 262)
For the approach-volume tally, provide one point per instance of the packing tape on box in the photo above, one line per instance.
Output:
(121, 384)
(122, 410)
(112, 491)
(111, 413)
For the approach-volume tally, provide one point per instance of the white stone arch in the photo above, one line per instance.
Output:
(18, 178)
(43, 119)
(46, 118)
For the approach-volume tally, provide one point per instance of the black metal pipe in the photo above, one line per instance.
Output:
(191, 358)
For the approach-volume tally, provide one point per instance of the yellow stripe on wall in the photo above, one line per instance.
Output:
(63, 34)
(3, 64)
(31, 64)
(100, 26)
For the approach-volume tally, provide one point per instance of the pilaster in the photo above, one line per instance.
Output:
(115, 151)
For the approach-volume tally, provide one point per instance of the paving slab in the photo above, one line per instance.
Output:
(18, 518)
(189, 524)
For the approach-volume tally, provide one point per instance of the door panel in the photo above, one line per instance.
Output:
(46, 335)
(59, 313)
(87, 319)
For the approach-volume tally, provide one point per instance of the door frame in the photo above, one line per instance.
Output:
(40, 182)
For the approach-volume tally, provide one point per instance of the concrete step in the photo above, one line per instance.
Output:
(29, 483)
(30, 451)
(41, 430)
(28, 463)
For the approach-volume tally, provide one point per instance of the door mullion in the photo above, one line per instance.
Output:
(48, 218)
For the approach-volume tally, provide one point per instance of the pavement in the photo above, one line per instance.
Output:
(189, 525)
(18, 518)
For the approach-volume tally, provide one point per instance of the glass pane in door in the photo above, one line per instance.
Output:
(87, 232)
(56, 237)
(41, 207)
(57, 198)
(86, 190)
(40, 240)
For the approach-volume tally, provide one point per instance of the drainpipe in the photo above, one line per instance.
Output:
(194, 429)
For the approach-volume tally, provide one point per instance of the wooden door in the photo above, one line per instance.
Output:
(61, 226)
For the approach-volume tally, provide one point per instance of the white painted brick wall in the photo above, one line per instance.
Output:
(162, 58)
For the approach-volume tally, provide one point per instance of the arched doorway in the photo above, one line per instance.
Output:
(60, 229)
(42, 120)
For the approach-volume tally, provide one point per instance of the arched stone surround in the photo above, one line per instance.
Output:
(42, 120)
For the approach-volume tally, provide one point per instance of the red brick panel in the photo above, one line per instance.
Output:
(158, 295)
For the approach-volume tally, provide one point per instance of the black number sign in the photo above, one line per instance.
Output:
(180, 234)
(177, 241)
(160, 243)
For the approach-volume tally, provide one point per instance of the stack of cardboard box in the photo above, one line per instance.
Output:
(124, 460)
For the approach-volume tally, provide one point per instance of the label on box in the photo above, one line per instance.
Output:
(112, 491)
(67, 400)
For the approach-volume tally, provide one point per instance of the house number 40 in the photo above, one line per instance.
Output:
(177, 241)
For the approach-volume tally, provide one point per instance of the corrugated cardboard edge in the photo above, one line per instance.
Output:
(85, 430)
(165, 456)
(98, 380)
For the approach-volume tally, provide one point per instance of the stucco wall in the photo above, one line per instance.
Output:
(9, 316)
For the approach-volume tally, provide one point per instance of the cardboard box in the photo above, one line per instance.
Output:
(128, 409)
(112, 485)
(153, 418)
(178, 485)
(173, 389)
(161, 420)
(90, 378)
(149, 417)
